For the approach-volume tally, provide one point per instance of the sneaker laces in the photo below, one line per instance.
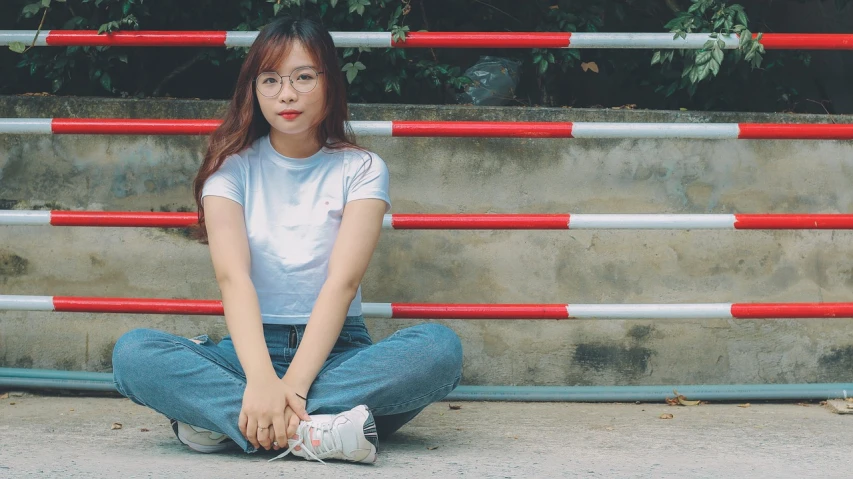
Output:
(329, 441)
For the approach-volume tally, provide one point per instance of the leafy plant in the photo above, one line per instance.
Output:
(722, 22)
(742, 78)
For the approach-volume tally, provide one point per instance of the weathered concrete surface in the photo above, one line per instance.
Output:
(71, 437)
(470, 175)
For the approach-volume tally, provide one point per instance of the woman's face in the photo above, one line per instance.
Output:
(298, 99)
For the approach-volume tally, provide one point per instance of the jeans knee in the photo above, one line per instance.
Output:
(446, 348)
(132, 355)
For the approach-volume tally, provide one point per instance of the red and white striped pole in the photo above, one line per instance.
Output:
(435, 129)
(771, 41)
(72, 304)
(400, 221)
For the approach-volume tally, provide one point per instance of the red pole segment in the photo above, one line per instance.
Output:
(806, 41)
(782, 131)
(792, 310)
(504, 129)
(60, 38)
(477, 222)
(119, 126)
(793, 221)
(485, 40)
(122, 218)
(137, 305)
(480, 311)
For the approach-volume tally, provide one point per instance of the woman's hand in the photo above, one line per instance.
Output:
(262, 418)
(292, 421)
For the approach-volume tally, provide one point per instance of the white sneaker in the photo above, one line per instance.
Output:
(201, 440)
(348, 436)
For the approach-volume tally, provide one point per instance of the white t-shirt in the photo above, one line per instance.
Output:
(293, 210)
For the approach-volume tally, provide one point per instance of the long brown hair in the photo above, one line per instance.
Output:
(244, 123)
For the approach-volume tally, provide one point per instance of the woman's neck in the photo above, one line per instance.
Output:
(294, 146)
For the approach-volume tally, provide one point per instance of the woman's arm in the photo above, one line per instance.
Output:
(262, 417)
(229, 250)
(357, 238)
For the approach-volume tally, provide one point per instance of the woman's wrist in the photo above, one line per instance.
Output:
(262, 374)
(300, 389)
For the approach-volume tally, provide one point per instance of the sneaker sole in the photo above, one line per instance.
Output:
(197, 447)
(372, 437)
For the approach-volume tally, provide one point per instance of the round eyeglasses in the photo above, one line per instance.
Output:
(303, 80)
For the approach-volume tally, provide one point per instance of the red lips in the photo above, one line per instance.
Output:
(289, 114)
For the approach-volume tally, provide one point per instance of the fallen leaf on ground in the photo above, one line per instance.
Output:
(71, 410)
(609, 428)
(455, 406)
(11, 404)
(143, 430)
(681, 400)
(666, 416)
(431, 448)
(4, 396)
(745, 405)
(116, 425)
(823, 403)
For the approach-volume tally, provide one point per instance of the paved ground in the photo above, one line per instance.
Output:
(71, 437)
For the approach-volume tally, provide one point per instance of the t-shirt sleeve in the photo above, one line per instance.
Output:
(369, 179)
(228, 181)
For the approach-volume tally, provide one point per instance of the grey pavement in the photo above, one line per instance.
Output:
(61, 436)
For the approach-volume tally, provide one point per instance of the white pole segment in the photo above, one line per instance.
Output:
(710, 131)
(240, 39)
(24, 217)
(26, 303)
(372, 128)
(650, 221)
(646, 40)
(377, 310)
(386, 222)
(23, 36)
(650, 311)
(362, 39)
(22, 126)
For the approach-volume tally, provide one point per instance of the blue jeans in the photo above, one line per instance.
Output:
(203, 384)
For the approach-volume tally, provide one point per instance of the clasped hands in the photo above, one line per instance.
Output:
(271, 413)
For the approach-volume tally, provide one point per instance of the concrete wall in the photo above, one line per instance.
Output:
(469, 175)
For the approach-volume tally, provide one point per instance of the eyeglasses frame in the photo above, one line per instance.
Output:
(255, 81)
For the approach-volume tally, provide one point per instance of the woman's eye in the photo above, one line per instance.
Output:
(305, 77)
(269, 80)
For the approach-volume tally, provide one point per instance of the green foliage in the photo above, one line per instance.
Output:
(695, 78)
(723, 23)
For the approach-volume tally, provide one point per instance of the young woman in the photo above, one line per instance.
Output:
(292, 210)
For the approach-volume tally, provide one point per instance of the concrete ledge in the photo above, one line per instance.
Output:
(469, 176)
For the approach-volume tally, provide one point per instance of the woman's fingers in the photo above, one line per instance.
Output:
(264, 435)
(298, 405)
(252, 432)
(280, 428)
(241, 423)
(273, 439)
(292, 424)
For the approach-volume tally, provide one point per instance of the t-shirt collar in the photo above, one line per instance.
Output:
(287, 162)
